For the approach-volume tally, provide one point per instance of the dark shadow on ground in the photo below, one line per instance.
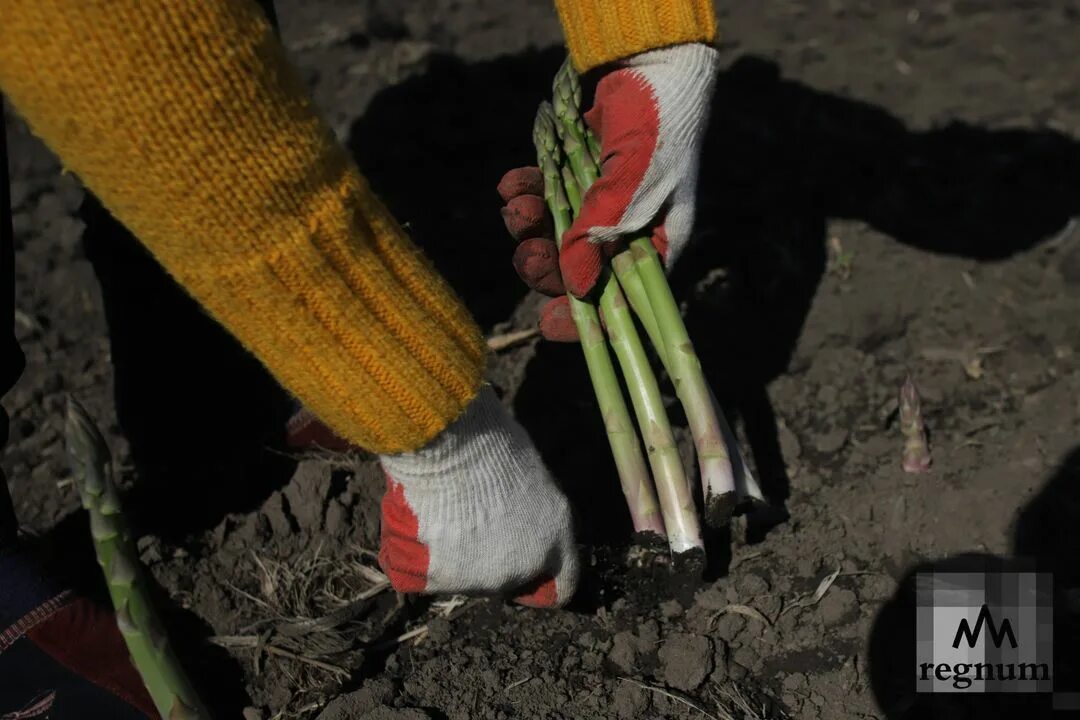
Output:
(781, 159)
(434, 148)
(199, 411)
(1046, 536)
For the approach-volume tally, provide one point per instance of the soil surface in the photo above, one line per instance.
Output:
(888, 188)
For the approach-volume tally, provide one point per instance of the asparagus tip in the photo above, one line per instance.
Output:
(916, 454)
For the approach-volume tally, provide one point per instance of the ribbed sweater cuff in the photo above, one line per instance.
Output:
(602, 31)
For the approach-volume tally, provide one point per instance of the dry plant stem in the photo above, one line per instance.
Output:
(672, 488)
(151, 654)
(497, 343)
(916, 456)
(629, 461)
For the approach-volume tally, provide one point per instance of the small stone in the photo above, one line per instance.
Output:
(837, 604)
(794, 681)
(252, 713)
(747, 656)
(711, 599)
(631, 701)
(729, 625)
(623, 653)
(686, 660)
(648, 636)
(831, 442)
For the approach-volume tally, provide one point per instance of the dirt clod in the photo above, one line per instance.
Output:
(631, 701)
(686, 660)
(624, 652)
(372, 697)
(837, 605)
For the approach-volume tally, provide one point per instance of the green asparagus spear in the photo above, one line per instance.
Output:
(629, 462)
(153, 657)
(652, 299)
(672, 488)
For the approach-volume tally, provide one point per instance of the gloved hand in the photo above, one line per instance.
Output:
(649, 115)
(474, 512)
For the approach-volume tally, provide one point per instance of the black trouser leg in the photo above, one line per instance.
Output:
(11, 357)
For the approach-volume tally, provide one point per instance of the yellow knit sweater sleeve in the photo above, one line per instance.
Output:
(186, 120)
(600, 31)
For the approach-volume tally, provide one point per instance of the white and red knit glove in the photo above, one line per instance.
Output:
(476, 512)
(650, 114)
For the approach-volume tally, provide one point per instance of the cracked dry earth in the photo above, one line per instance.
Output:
(888, 188)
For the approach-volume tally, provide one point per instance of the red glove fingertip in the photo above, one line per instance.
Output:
(557, 321)
(521, 181)
(537, 263)
(581, 263)
(526, 216)
(660, 242)
(402, 556)
(544, 593)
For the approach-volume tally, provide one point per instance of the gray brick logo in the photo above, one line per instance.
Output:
(984, 632)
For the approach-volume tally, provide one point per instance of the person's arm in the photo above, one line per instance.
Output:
(603, 31)
(187, 121)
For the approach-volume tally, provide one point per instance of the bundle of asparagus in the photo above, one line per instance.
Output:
(569, 158)
(151, 654)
